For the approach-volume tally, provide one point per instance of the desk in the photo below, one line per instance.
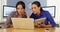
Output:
(25, 30)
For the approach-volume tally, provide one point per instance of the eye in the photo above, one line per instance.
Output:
(21, 8)
(32, 8)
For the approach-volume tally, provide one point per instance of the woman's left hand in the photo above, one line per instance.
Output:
(46, 26)
(28, 16)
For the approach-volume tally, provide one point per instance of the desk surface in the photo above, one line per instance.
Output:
(25, 30)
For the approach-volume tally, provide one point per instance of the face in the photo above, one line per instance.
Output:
(35, 9)
(20, 9)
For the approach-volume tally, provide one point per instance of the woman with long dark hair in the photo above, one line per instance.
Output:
(38, 13)
(19, 13)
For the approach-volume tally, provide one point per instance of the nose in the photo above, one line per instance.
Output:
(33, 9)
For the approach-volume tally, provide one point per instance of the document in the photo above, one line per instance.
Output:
(40, 20)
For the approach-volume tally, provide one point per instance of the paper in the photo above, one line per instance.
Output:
(39, 21)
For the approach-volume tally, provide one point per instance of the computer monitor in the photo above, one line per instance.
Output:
(7, 10)
(50, 9)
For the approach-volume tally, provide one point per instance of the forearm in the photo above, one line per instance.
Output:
(46, 26)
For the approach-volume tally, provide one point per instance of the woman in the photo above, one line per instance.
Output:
(19, 13)
(38, 13)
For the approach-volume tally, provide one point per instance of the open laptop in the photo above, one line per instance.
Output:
(23, 23)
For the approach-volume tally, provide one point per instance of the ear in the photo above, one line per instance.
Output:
(39, 7)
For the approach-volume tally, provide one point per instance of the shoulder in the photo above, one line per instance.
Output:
(45, 12)
(32, 14)
(13, 13)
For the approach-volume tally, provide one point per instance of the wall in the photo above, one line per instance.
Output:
(2, 2)
(27, 2)
(57, 4)
(0, 10)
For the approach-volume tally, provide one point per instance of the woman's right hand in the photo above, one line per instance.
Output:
(38, 26)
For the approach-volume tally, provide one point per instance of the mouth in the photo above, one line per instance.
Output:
(34, 12)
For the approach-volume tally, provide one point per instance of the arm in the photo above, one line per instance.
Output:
(49, 23)
(50, 19)
(46, 26)
(9, 21)
(43, 25)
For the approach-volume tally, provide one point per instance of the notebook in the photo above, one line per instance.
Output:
(39, 21)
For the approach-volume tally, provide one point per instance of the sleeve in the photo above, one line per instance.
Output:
(50, 18)
(9, 21)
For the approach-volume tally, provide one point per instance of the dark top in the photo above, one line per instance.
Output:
(44, 14)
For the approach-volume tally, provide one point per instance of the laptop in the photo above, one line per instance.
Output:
(23, 23)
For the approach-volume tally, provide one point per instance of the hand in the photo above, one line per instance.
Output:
(11, 26)
(38, 26)
(28, 16)
(46, 26)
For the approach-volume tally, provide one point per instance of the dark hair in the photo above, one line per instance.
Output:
(38, 4)
(21, 3)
